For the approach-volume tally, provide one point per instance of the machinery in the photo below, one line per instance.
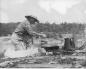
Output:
(52, 45)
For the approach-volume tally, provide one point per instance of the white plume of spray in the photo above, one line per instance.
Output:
(11, 53)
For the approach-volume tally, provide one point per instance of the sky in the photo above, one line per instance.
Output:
(45, 10)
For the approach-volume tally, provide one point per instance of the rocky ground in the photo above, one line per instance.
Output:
(76, 60)
(44, 62)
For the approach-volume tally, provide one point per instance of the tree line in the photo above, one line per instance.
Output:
(6, 29)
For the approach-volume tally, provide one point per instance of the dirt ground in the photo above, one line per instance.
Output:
(45, 61)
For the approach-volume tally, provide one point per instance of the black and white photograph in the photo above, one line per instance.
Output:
(43, 34)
